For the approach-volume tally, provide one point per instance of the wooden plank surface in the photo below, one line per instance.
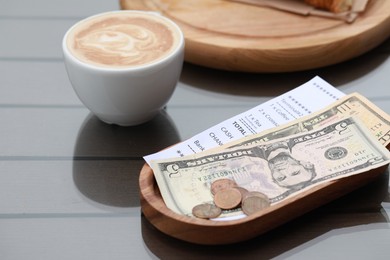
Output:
(240, 37)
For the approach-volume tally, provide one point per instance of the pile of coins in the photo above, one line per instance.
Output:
(228, 195)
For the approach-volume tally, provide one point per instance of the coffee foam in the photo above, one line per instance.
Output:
(120, 40)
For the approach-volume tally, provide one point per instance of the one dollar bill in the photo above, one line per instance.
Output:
(278, 168)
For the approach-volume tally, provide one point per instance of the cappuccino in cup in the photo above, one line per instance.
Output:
(120, 40)
(124, 65)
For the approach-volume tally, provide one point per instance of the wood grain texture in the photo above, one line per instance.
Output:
(233, 36)
(209, 232)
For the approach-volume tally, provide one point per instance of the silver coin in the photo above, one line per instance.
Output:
(206, 211)
(252, 204)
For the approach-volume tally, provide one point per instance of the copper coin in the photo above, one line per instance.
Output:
(253, 204)
(222, 184)
(227, 198)
(206, 210)
(243, 191)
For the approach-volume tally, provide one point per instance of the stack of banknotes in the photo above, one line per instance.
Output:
(348, 137)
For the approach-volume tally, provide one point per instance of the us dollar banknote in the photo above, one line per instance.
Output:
(376, 120)
(279, 168)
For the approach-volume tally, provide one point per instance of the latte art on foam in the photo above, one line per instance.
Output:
(121, 46)
(122, 41)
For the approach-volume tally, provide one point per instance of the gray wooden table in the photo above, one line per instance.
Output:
(69, 183)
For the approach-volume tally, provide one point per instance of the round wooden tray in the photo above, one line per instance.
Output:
(234, 36)
(210, 232)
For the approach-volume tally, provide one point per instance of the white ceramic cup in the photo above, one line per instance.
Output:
(126, 95)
